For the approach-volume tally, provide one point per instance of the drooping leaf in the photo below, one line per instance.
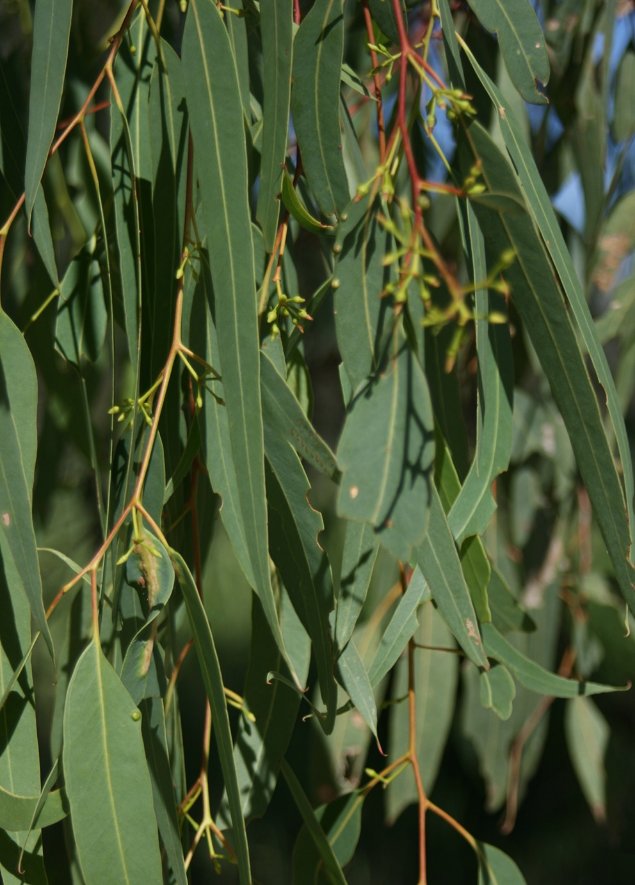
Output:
(163, 794)
(51, 30)
(538, 298)
(435, 679)
(497, 690)
(588, 733)
(294, 527)
(81, 313)
(317, 59)
(262, 741)
(360, 312)
(354, 677)
(539, 204)
(496, 868)
(18, 430)
(358, 560)
(212, 94)
(341, 821)
(213, 681)
(475, 504)
(532, 675)
(286, 421)
(106, 777)
(20, 812)
(400, 629)
(439, 562)
(276, 25)
(522, 43)
(386, 453)
(319, 838)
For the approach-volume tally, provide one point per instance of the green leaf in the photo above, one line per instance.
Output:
(435, 681)
(384, 14)
(496, 868)
(165, 805)
(311, 822)
(286, 421)
(213, 681)
(317, 60)
(507, 614)
(546, 223)
(475, 504)
(51, 30)
(294, 527)
(386, 453)
(276, 27)
(521, 41)
(624, 116)
(361, 314)
(41, 229)
(21, 812)
(538, 298)
(212, 94)
(400, 629)
(18, 431)
(82, 319)
(532, 675)
(439, 562)
(296, 207)
(354, 677)
(150, 574)
(341, 821)
(106, 777)
(588, 733)
(474, 562)
(358, 561)
(261, 742)
(498, 690)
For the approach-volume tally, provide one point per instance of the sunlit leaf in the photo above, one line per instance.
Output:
(106, 776)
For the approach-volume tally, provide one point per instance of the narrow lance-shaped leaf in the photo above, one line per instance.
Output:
(355, 679)
(386, 454)
(439, 561)
(532, 675)
(294, 527)
(285, 421)
(276, 26)
(358, 561)
(522, 43)
(311, 822)
(400, 629)
(317, 60)
(20, 812)
(361, 314)
(51, 30)
(588, 733)
(18, 431)
(263, 737)
(539, 205)
(213, 98)
(213, 681)
(475, 503)
(106, 777)
(538, 299)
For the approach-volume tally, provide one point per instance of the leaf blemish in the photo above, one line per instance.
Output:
(6, 519)
(472, 632)
(353, 492)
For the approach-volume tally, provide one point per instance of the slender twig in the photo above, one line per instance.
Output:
(381, 126)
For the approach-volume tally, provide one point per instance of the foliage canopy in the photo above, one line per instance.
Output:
(313, 463)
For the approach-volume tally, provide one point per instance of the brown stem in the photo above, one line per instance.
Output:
(381, 126)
